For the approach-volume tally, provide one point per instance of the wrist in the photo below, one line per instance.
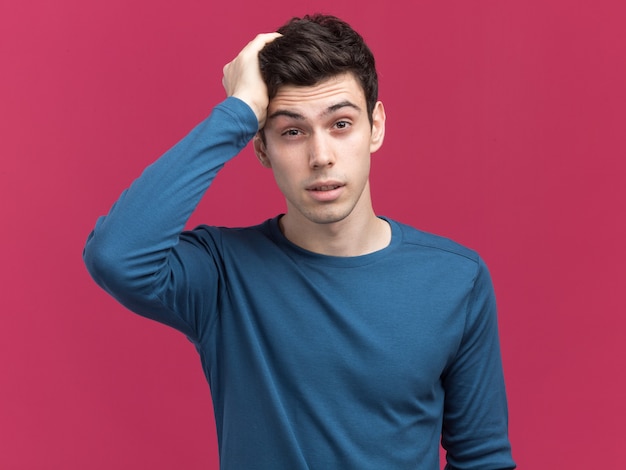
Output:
(259, 109)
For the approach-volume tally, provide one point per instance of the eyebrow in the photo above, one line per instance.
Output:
(331, 109)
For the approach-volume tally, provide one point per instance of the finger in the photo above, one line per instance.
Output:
(265, 38)
(261, 40)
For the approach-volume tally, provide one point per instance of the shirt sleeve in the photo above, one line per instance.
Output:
(475, 423)
(136, 252)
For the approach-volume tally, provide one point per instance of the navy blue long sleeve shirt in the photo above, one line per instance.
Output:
(313, 361)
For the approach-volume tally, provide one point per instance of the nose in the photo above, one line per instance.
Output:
(320, 152)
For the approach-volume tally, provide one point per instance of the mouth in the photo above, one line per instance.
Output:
(325, 187)
(326, 191)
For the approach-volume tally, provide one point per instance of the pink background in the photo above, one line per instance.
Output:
(506, 132)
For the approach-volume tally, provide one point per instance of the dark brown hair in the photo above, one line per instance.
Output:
(315, 48)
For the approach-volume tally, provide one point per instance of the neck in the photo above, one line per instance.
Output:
(347, 237)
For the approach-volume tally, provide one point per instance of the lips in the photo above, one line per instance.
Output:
(326, 191)
(324, 186)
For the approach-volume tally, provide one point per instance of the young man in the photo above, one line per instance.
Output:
(331, 338)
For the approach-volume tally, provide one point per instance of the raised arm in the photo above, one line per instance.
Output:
(130, 251)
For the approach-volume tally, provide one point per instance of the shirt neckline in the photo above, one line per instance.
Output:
(302, 254)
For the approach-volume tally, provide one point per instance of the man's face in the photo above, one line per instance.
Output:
(318, 142)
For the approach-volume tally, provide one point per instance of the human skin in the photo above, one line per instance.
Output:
(242, 76)
(318, 141)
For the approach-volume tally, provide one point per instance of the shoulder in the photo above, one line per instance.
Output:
(230, 235)
(437, 255)
(233, 243)
(413, 237)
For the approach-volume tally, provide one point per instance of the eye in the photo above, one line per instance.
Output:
(291, 133)
(342, 124)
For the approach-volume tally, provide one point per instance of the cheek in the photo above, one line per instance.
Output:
(357, 152)
(285, 173)
(286, 159)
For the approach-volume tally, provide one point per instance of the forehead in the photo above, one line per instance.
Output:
(312, 99)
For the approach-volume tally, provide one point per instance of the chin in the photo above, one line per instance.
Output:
(325, 217)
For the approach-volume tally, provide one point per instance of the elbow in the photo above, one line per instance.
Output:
(98, 259)
(106, 264)
(120, 268)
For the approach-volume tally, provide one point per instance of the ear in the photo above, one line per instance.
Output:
(259, 149)
(378, 127)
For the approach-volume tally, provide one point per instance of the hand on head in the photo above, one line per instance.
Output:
(242, 77)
